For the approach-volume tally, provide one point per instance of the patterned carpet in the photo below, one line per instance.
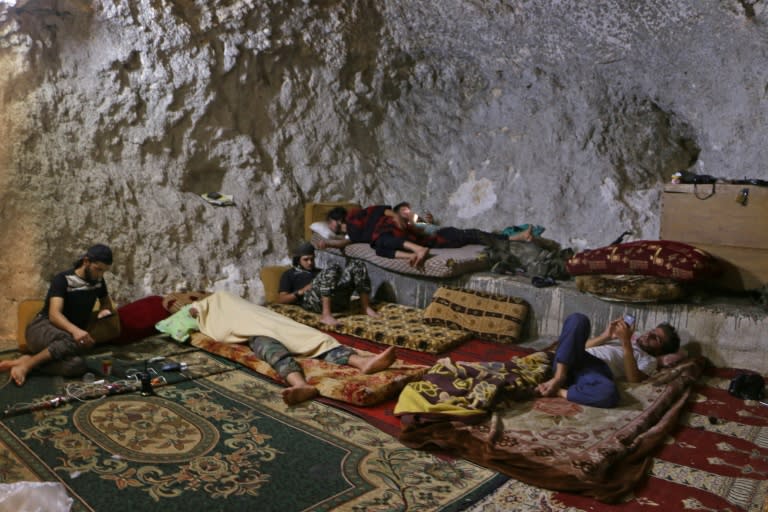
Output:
(221, 440)
(716, 460)
(218, 437)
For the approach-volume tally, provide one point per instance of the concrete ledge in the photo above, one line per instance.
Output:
(729, 331)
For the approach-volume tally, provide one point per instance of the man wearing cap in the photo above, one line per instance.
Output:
(324, 290)
(58, 336)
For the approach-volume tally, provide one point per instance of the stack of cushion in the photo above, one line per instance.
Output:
(642, 271)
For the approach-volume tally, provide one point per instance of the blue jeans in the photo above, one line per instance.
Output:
(589, 380)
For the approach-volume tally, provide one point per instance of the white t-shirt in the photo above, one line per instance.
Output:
(613, 355)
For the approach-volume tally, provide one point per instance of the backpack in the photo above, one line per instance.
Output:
(747, 386)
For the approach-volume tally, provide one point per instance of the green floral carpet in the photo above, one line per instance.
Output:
(217, 437)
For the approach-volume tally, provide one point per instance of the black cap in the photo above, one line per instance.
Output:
(100, 252)
(305, 249)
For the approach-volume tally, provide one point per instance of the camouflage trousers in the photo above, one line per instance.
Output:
(277, 356)
(337, 284)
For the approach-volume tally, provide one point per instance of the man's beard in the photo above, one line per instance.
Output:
(89, 276)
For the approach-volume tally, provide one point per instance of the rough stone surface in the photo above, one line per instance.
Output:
(117, 114)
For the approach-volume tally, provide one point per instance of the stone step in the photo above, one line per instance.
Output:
(729, 331)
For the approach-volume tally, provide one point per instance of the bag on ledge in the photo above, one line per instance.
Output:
(747, 386)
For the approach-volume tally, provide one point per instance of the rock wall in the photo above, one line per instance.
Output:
(118, 114)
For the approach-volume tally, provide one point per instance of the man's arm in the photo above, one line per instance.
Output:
(106, 307)
(338, 243)
(286, 293)
(607, 335)
(292, 297)
(57, 318)
(632, 372)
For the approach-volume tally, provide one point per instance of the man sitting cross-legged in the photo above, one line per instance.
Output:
(327, 290)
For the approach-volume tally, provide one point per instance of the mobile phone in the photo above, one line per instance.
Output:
(629, 319)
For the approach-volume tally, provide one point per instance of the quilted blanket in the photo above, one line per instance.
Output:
(398, 325)
(467, 411)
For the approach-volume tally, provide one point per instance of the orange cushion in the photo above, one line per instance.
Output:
(28, 309)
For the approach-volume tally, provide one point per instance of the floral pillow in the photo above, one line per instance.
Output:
(179, 325)
(658, 258)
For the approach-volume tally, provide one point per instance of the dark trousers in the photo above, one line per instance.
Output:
(589, 381)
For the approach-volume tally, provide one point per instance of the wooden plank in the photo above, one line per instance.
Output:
(713, 216)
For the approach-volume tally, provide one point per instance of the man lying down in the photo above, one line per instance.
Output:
(279, 341)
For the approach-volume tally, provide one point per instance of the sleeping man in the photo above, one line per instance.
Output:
(585, 368)
(397, 236)
(279, 341)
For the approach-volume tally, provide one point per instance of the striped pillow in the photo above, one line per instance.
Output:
(488, 316)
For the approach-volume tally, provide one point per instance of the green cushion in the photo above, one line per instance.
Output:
(179, 325)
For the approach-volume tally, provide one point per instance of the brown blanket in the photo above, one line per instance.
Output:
(550, 442)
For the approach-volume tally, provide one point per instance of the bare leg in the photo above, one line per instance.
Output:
(299, 391)
(375, 363)
(365, 303)
(553, 386)
(525, 236)
(326, 316)
(20, 367)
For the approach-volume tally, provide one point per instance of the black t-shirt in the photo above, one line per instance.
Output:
(295, 279)
(79, 296)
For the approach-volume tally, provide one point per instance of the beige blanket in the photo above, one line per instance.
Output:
(230, 319)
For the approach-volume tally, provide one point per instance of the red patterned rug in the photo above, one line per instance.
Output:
(716, 459)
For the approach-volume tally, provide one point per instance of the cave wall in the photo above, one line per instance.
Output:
(118, 114)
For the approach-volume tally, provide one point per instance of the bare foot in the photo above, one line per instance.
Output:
(297, 394)
(379, 362)
(421, 256)
(7, 364)
(372, 312)
(525, 236)
(549, 388)
(329, 320)
(19, 368)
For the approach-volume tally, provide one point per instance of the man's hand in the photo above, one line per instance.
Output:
(83, 339)
(623, 331)
(104, 313)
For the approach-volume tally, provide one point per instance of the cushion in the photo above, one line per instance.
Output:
(314, 212)
(28, 309)
(660, 258)
(321, 228)
(488, 316)
(138, 318)
(179, 325)
(397, 325)
(270, 279)
(631, 288)
(173, 302)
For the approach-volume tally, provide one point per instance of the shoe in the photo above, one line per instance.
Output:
(542, 282)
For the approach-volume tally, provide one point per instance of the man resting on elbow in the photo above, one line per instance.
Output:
(585, 369)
